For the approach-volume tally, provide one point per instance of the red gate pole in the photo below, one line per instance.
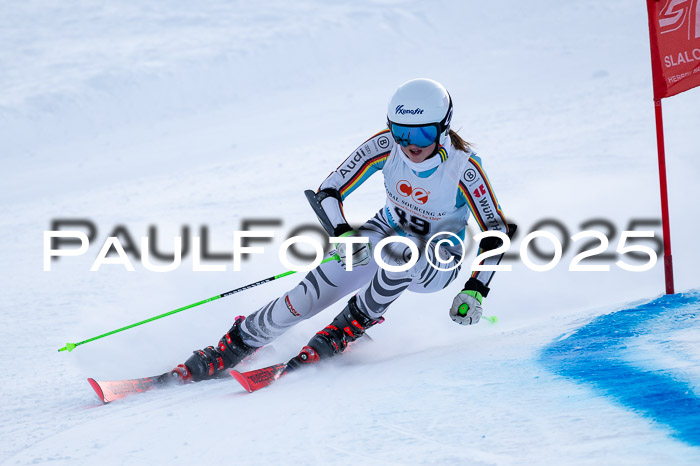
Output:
(668, 261)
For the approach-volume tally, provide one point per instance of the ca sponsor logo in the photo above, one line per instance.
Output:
(383, 142)
(404, 188)
(419, 195)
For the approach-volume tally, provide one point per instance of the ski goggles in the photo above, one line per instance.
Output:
(421, 136)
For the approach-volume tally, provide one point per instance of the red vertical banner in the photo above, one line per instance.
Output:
(674, 33)
(674, 37)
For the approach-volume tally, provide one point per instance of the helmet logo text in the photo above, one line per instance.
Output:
(402, 111)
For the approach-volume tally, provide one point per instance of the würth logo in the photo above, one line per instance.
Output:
(419, 195)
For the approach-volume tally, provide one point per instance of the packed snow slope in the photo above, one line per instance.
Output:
(185, 116)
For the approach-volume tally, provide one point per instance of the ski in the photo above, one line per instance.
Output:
(259, 378)
(256, 379)
(110, 390)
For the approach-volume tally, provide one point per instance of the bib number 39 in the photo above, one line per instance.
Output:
(417, 225)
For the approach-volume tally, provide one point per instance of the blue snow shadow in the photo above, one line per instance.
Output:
(592, 355)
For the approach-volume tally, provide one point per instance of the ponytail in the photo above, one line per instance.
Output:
(459, 143)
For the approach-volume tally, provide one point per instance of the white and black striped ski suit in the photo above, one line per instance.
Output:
(434, 197)
(330, 282)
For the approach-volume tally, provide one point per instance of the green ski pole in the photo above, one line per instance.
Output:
(71, 346)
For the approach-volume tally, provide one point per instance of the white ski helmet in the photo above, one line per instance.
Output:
(420, 103)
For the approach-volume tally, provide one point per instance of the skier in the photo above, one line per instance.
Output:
(433, 181)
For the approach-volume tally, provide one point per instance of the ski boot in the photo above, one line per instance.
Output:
(347, 327)
(208, 363)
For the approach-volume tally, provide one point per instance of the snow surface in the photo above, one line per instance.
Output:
(208, 113)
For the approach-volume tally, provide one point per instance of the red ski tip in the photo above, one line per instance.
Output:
(259, 378)
(240, 378)
(110, 390)
(95, 386)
